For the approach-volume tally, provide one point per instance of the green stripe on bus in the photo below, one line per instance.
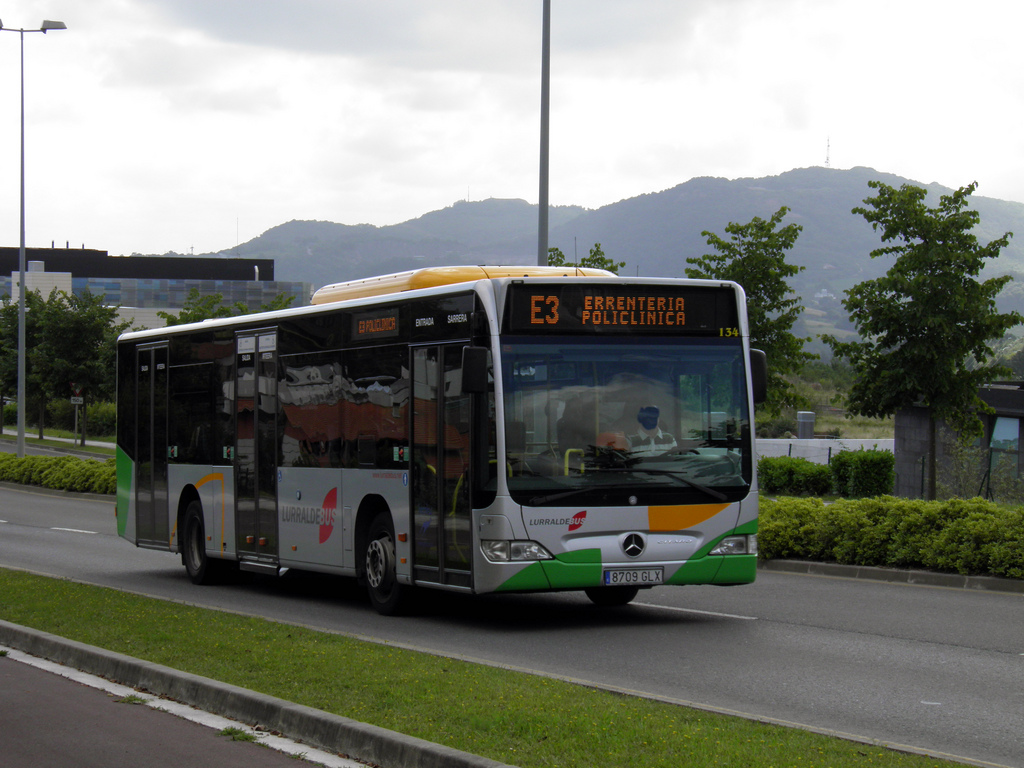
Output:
(125, 473)
(569, 570)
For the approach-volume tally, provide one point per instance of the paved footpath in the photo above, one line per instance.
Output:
(52, 720)
(53, 716)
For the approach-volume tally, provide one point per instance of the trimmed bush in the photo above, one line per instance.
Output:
(793, 476)
(971, 536)
(854, 474)
(62, 473)
(862, 473)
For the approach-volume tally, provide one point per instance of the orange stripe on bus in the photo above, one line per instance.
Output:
(681, 517)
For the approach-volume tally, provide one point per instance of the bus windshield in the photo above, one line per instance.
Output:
(614, 421)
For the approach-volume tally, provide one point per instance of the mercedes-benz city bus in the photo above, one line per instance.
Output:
(475, 429)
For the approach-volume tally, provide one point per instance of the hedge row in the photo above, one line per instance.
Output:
(849, 473)
(62, 473)
(100, 418)
(971, 536)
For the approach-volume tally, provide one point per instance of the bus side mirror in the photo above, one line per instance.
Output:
(759, 375)
(474, 370)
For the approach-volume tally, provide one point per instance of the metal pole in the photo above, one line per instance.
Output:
(545, 98)
(45, 27)
(21, 272)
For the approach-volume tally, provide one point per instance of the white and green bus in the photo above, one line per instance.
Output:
(474, 429)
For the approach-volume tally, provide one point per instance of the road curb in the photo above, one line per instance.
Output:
(896, 575)
(319, 729)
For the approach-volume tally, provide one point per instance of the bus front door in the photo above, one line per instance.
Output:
(151, 521)
(441, 429)
(256, 440)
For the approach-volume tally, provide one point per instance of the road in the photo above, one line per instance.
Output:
(930, 668)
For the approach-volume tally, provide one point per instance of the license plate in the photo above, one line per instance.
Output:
(638, 576)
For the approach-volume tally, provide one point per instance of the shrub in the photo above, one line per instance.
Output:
(793, 476)
(100, 417)
(62, 473)
(962, 536)
(786, 528)
(782, 426)
(863, 473)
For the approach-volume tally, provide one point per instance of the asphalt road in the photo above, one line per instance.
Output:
(936, 669)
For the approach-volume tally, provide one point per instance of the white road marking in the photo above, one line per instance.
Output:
(694, 610)
(74, 530)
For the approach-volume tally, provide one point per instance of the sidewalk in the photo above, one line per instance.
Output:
(72, 442)
(331, 733)
(896, 575)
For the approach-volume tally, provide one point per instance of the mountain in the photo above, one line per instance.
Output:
(652, 233)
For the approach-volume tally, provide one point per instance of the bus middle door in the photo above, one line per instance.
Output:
(151, 521)
(256, 449)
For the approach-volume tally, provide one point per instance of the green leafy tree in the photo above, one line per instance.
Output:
(9, 349)
(595, 259)
(928, 324)
(754, 255)
(76, 346)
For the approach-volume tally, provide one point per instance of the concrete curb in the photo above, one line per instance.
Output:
(896, 575)
(319, 729)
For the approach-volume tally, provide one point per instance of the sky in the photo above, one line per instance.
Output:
(190, 126)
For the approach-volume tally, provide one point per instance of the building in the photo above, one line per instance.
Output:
(145, 285)
(990, 467)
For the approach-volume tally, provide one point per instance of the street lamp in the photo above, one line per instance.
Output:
(545, 101)
(45, 27)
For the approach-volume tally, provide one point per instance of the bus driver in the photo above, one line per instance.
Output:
(649, 439)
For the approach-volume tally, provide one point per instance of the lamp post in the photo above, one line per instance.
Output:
(545, 100)
(45, 27)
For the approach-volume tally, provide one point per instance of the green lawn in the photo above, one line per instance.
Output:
(508, 716)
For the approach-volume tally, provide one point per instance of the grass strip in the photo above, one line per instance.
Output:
(99, 450)
(508, 716)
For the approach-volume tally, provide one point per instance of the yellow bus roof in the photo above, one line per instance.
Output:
(430, 277)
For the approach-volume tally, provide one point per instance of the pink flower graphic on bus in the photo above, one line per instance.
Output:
(330, 506)
(577, 520)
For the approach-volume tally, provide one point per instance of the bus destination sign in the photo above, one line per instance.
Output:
(622, 309)
(375, 325)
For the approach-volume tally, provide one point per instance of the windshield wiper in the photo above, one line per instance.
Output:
(675, 476)
(555, 496)
(717, 495)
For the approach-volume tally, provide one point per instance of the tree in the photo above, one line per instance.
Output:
(755, 257)
(595, 259)
(77, 345)
(928, 324)
(9, 348)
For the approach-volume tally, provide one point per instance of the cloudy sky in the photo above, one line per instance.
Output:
(192, 125)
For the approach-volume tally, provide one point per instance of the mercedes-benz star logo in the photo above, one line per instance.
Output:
(633, 545)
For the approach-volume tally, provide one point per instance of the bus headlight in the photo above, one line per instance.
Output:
(736, 545)
(504, 551)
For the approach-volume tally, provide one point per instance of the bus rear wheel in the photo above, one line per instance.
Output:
(609, 597)
(193, 546)
(387, 596)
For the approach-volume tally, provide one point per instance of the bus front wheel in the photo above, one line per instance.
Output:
(609, 597)
(386, 594)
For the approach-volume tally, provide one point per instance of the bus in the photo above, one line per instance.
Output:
(473, 429)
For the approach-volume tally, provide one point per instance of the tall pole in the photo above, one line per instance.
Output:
(545, 99)
(44, 28)
(21, 271)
